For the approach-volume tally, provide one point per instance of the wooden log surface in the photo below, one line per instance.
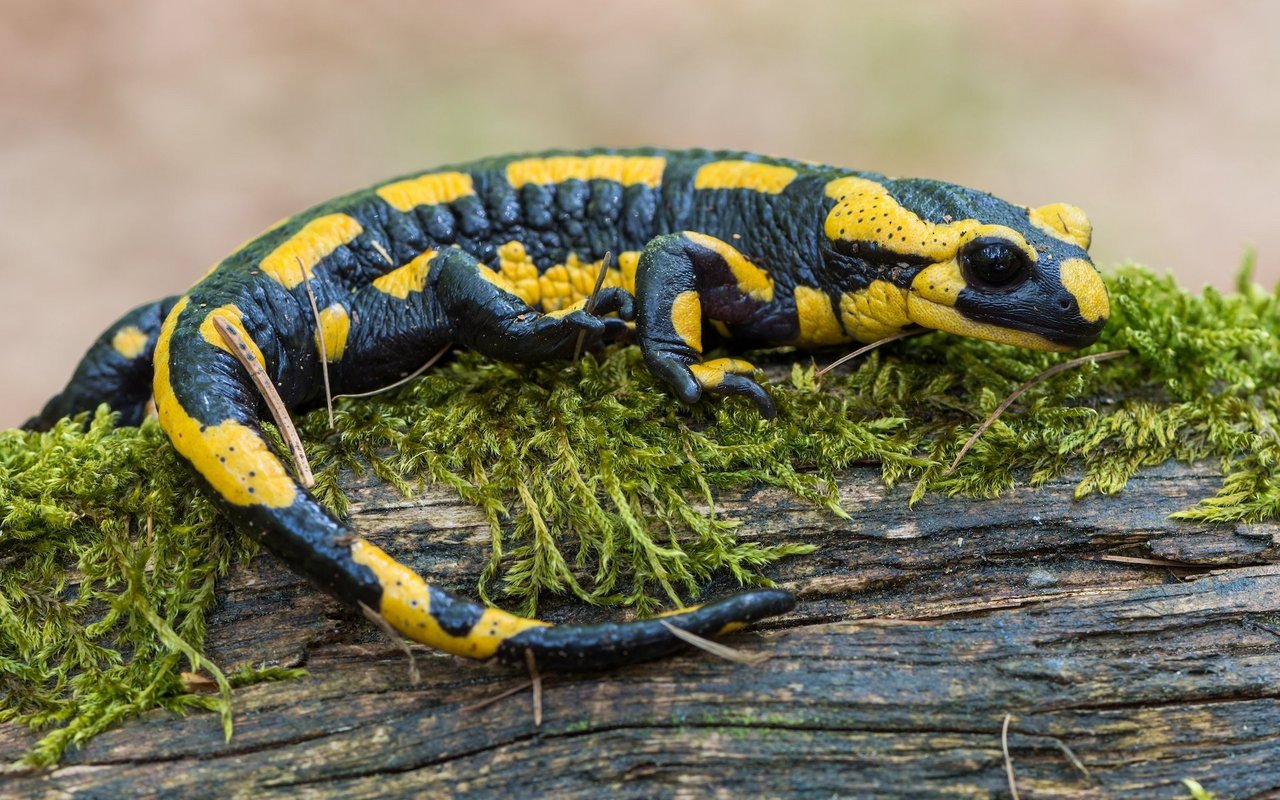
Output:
(917, 632)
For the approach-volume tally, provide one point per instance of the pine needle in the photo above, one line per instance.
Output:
(279, 412)
(1008, 401)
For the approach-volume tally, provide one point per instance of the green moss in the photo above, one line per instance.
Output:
(592, 477)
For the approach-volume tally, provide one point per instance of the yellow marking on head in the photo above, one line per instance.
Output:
(628, 261)
(939, 283)
(406, 605)
(293, 261)
(233, 458)
(712, 373)
(866, 212)
(518, 268)
(130, 341)
(875, 312)
(412, 277)
(743, 175)
(944, 318)
(432, 189)
(235, 317)
(1082, 280)
(1063, 221)
(496, 278)
(817, 319)
(686, 318)
(753, 281)
(626, 170)
(335, 327)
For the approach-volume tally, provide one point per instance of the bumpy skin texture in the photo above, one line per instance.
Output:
(500, 256)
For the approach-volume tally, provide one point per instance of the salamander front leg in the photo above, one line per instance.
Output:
(680, 279)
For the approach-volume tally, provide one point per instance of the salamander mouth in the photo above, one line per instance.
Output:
(1033, 337)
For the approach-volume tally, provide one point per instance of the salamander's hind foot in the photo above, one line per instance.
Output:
(556, 334)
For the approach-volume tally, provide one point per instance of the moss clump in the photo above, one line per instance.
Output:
(588, 473)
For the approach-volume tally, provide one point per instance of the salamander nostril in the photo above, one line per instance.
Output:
(1064, 303)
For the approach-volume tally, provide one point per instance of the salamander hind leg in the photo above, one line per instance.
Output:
(487, 315)
(682, 281)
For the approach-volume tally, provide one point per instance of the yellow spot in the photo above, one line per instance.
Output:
(944, 318)
(626, 170)
(1084, 283)
(753, 281)
(296, 257)
(1063, 221)
(711, 373)
(730, 627)
(564, 284)
(686, 319)
(518, 268)
(412, 277)
(233, 315)
(817, 319)
(130, 341)
(406, 605)
(628, 261)
(232, 457)
(875, 312)
(743, 175)
(866, 212)
(335, 327)
(432, 189)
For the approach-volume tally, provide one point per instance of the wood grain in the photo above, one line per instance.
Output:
(916, 632)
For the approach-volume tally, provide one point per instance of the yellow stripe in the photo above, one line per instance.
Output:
(752, 280)
(866, 212)
(817, 318)
(686, 318)
(751, 175)
(294, 260)
(412, 277)
(434, 189)
(626, 170)
(335, 327)
(234, 459)
(406, 605)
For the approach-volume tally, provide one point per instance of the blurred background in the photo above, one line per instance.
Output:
(142, 140)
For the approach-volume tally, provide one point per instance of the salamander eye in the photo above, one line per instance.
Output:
(994, 264)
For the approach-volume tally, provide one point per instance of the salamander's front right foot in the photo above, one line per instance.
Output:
(691, 379)
(677, 275)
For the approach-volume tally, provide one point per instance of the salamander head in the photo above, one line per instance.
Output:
(972, 264)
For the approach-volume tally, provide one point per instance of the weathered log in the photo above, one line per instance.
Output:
(917, 632)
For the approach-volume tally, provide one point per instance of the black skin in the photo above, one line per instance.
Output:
(780, 232)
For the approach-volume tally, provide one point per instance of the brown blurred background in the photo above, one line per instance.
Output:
(141, 140)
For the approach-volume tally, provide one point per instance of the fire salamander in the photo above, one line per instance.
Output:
(501, 255)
